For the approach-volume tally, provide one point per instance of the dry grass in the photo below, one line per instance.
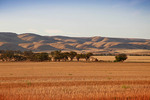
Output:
(130, 58)
(74, 81)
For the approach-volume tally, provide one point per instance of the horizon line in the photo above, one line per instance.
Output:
(74, 36)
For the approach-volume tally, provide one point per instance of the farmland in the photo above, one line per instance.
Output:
(130, 58)
(74, 80)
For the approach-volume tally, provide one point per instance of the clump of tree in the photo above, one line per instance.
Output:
(19, 58)
(78, 56)
(58, 55)
(9, 55)
(72, 55)
(88, 55)
(40, 57)
(120, 57)
(36, 56)
(29, 55)
(85, 56)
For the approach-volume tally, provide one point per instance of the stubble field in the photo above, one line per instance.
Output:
(74, 81)
(129, 59)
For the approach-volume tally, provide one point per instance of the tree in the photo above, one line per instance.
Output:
(72, 54)
(28, 54)
(56, 55)
(43, 56)
(2, 51)
(7, 55)
(18, 52)
(65, 56)
(88, 55)
(78, 56)
(120, 57)
(40, 57)
(19, 58)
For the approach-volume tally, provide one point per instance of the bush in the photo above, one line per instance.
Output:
(120, 57)
(40, 57)
(88, 55)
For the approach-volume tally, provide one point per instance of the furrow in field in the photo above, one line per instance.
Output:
(73, 83)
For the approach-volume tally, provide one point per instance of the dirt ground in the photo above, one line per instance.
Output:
(74, 81)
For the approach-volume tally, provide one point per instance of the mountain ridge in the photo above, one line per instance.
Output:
(97, 44)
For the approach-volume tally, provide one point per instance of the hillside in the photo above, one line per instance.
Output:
(97, 44)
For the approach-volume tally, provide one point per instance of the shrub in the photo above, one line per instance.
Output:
(40, 57)
(120, 57)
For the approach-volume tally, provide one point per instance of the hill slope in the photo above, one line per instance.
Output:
(29, 41)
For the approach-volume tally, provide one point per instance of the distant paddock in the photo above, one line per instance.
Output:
(129, 59)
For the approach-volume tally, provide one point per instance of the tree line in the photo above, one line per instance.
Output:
(10, 55)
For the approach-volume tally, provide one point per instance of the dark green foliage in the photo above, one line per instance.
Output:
(88, 55)
(56, 55)
(72, 54)
(120, 57)
(78, 56)
(7, 55)
(39, 57)
(19, 58)
(65, 56)
(10, 55)
(27, 53)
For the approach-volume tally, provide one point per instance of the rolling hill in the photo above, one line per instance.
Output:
(97, 44)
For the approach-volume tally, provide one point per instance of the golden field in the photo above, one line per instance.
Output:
(129, 59)
(74, 81)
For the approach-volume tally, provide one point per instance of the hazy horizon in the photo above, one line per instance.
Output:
(77, 18)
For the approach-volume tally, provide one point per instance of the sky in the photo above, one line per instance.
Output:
(79, 18)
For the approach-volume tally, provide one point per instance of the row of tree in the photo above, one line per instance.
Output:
(58, 55)
(10, 55)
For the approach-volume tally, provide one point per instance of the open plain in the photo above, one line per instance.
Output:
(129, 59)
(74, 81)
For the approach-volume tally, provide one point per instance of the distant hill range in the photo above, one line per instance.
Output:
(97, 44)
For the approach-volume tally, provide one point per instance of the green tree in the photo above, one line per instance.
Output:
(7, 55)
(56, 55)
(78, 56)
(28, 54)
(120, 57)
(88, 55)
(72, 54)
(40, 57)
(19, 58)
(65, 56)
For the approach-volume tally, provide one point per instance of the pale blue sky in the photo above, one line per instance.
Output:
(109, 18)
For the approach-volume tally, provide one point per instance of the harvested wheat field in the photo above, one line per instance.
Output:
(74, 81)
(130, 58)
